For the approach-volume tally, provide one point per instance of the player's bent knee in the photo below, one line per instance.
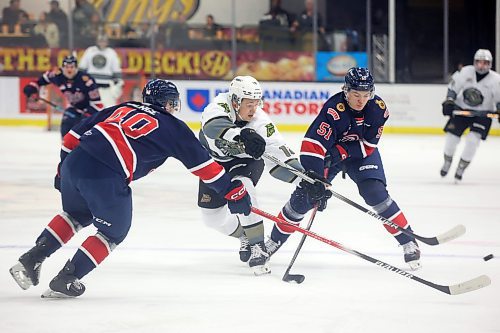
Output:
(373, 191)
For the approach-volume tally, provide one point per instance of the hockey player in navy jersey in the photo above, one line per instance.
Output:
(78, 87)
(346, 133)
(100, 157)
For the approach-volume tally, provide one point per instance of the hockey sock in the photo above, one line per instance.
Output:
(58, 232)
(282, 232)
(91, 253)
(394, 214)
(255, 232)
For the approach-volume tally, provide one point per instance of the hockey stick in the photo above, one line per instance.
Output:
(299, 278)
(55, 106)
(473, 113)
(456, 289)
(451, 234)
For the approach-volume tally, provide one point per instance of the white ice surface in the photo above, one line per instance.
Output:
(173, 274)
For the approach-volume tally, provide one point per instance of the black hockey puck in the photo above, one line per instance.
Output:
(488, 257)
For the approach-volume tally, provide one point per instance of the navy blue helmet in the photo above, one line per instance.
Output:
(161, 93)
(69, 59)
(360, 79)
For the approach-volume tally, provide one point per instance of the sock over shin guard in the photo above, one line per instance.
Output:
(58, 232)
(91, 253)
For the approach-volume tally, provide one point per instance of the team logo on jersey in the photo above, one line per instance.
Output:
(270, 129)
(380, 104)
(225, 106)
(197, 99)
(99, 61)
(206, 198)
(340, 107)
(473, 97)
(85, 78)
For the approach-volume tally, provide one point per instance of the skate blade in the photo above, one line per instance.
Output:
(17, 272)
(49, 293)
(414, 265)
(261, 270)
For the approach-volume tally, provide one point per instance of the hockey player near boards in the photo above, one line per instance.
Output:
(78, 87)
(99, 158)
(237, 132)
(345, 134)
(103, 63)
(475, 88)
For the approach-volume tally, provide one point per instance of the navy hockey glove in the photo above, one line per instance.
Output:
(238, 199)
(338, 154)
(448, 107)
(30, 90)
(316, 192)
(255, 145)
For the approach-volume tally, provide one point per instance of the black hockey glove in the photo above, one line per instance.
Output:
(238, 199)
(448, 107)
(316, 192)
(30, 90)
(255, 145)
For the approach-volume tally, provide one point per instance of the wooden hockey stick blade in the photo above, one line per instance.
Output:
(460, 288)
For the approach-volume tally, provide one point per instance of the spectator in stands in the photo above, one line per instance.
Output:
(25, 24)
(212, 30)
(83, 16)
(277, 16)
(60, 19)
(48, 30)
(12, 14)
(304, 22)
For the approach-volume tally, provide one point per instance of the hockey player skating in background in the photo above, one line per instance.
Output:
(103, 63)
(475, 88)
(78, 87)
(237, 132)
(346, 133)
(106, 152)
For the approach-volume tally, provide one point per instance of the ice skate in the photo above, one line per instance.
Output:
(26, 272)
(446, 166)
(244, 249)
(460, 170)
(258, 259)
(272, 247)
(65, 284)
(412, 255)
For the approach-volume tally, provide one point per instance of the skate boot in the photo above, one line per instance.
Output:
(446, 166)
(258, 259)
(244, 249)
(412, 255)
(460, 170)
(27, 270)
(272, 246)
(65, 284)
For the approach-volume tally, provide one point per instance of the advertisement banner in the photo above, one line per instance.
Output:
(192, 65)
(332, 66)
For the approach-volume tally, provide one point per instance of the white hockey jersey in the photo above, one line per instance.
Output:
(219, 134)
(103, 65)
(472, 95)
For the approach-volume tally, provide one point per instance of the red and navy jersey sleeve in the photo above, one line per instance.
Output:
(90, 88)
(321, 136)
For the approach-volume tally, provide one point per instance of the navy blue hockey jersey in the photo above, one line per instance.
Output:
(135, 138)
(354, 134)
(81, 91)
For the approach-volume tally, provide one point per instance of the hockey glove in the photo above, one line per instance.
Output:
(238, 199)
(338, 154)
(255, 145)
(30, 91)
(448, 107)
(316, 192)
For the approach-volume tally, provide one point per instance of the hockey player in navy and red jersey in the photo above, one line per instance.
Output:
(78, 87)
(106, 152)
(346, 133)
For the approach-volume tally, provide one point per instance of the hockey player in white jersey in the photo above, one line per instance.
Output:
(237, 132)
(103, 63)
(473, 99)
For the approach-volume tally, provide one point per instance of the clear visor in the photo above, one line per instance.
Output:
(173, 105)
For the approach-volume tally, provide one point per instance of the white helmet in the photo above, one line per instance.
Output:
(244, 87)
(483, 54)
